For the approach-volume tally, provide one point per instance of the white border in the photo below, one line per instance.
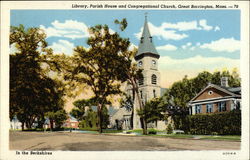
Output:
(5, 153)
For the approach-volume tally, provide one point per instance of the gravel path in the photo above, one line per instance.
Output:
(96, 142)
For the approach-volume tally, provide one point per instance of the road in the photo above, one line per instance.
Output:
(66, 141)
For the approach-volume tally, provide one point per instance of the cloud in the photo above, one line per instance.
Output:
(167, 47)
(217, 28)
(203, 24)
(69, 29)
(187, 45)
(132, 46)
(197, 63)
(161, 32)
(173, 70)
(192, 48)
(170, 31)
(62, 46)
(181, 26)
(13, 48)
(223, 45)
(198, 44)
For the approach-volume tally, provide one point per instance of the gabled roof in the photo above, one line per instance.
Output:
(72, 119)
(146, 45)
(231, 91)
(236, 90)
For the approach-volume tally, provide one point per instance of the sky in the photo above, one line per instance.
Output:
(188, 41)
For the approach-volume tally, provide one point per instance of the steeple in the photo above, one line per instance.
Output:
(146, 46)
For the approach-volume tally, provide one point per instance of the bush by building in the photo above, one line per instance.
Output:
(225, 123)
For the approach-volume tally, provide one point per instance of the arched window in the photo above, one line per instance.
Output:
(154, 93)
(141, 80)
(154, 79)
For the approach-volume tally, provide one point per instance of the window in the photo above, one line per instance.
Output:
(141, 80)
(210, 92)
(150, 39)
(141, 95)
(209, 108)
(154, 79)
(197, 109)
(154, 93)
(142, 39)
(222, 106)
(153, 62)
(140, 63)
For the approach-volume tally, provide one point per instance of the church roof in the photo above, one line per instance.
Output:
(146, 45)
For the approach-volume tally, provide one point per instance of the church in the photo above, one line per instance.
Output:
(149, 84)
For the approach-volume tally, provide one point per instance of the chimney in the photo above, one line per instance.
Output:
(224, 81)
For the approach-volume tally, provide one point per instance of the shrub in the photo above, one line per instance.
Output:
(152, 131)
(169, 129)
(226, 123)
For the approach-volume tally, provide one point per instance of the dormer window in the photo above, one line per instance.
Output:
(150, 38)
(142, 39)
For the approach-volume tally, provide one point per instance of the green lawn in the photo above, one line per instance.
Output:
(205, 137)
(188, 136)
(232, 138)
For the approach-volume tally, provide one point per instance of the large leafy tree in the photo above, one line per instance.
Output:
(58, 117)
(176, 98)
(183, 91)
(101, 66)
(32, 91)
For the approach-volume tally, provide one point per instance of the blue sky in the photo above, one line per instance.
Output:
(189, 41)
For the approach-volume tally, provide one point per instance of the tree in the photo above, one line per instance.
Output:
(58, 117)
(90, 120)
(132, 74)
(183, 91)
(105, 117)
(32, 91)
(176, 98)
(79, 110)
(152, 111)
(100, 66)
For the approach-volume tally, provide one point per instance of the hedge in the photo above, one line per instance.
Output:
(225, 123)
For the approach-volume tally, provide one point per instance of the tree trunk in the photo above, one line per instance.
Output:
(99, 113)
(28, 125)
(51, 125)
(41, 122)
(22, 126)
(131, 119)
(144, 124)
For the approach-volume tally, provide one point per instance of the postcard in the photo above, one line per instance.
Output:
(125, 80)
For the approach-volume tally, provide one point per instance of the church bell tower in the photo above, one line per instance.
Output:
(147, 59)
